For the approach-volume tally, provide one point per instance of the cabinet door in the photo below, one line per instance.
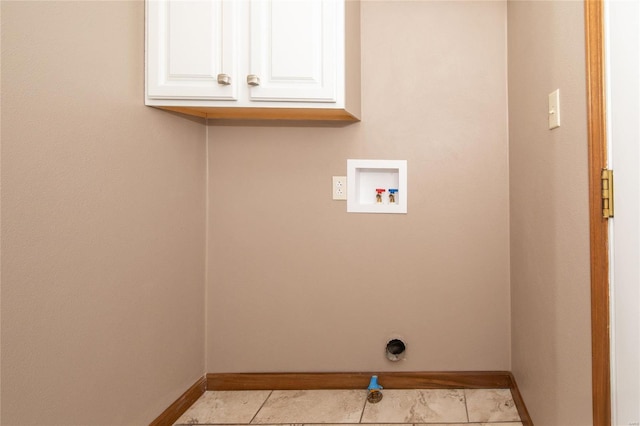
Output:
(190, 44)
(294, 50)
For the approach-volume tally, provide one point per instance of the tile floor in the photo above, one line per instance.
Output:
(452, 407)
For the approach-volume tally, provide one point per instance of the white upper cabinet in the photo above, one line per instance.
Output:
(191, 50)
(294, 47)
(278, 59)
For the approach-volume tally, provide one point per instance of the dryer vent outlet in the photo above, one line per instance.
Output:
(396, 350)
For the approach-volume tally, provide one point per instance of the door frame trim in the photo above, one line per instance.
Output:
(596, 118)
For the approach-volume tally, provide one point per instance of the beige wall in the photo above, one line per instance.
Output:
(551, 349)
(103, 216)
(297, 284)
(102, 223)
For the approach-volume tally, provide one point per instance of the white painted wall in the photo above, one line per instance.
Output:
(623, 69)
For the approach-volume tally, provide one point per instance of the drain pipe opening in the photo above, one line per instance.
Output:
(395, 350)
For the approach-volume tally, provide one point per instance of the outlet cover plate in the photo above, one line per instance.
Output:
(339, 187)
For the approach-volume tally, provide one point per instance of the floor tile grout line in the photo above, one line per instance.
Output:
(466, 407)
(261, 406)
(363, 408)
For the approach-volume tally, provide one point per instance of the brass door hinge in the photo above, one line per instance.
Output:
(607, 193)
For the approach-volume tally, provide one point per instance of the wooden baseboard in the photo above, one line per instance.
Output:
(390, 380)
(517, 398)
(180, 405)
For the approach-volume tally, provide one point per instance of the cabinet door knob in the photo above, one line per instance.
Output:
(224, 79)
(253, 80)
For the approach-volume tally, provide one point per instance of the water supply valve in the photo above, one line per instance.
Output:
(392, 195)
(374, 389)
(379, 192)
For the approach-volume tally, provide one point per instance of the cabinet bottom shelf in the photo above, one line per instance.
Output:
(298, 114)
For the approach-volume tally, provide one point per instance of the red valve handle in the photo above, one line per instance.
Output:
(380, 190)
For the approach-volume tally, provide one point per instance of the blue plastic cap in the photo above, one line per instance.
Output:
(373, 384)
(393, 191)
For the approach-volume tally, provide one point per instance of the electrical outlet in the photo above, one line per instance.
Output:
(339, 187)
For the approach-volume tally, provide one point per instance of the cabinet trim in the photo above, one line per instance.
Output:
(310, 114)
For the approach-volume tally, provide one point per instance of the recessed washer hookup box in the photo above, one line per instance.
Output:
(377, 186)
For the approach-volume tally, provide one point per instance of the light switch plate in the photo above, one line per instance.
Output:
(554, 109)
